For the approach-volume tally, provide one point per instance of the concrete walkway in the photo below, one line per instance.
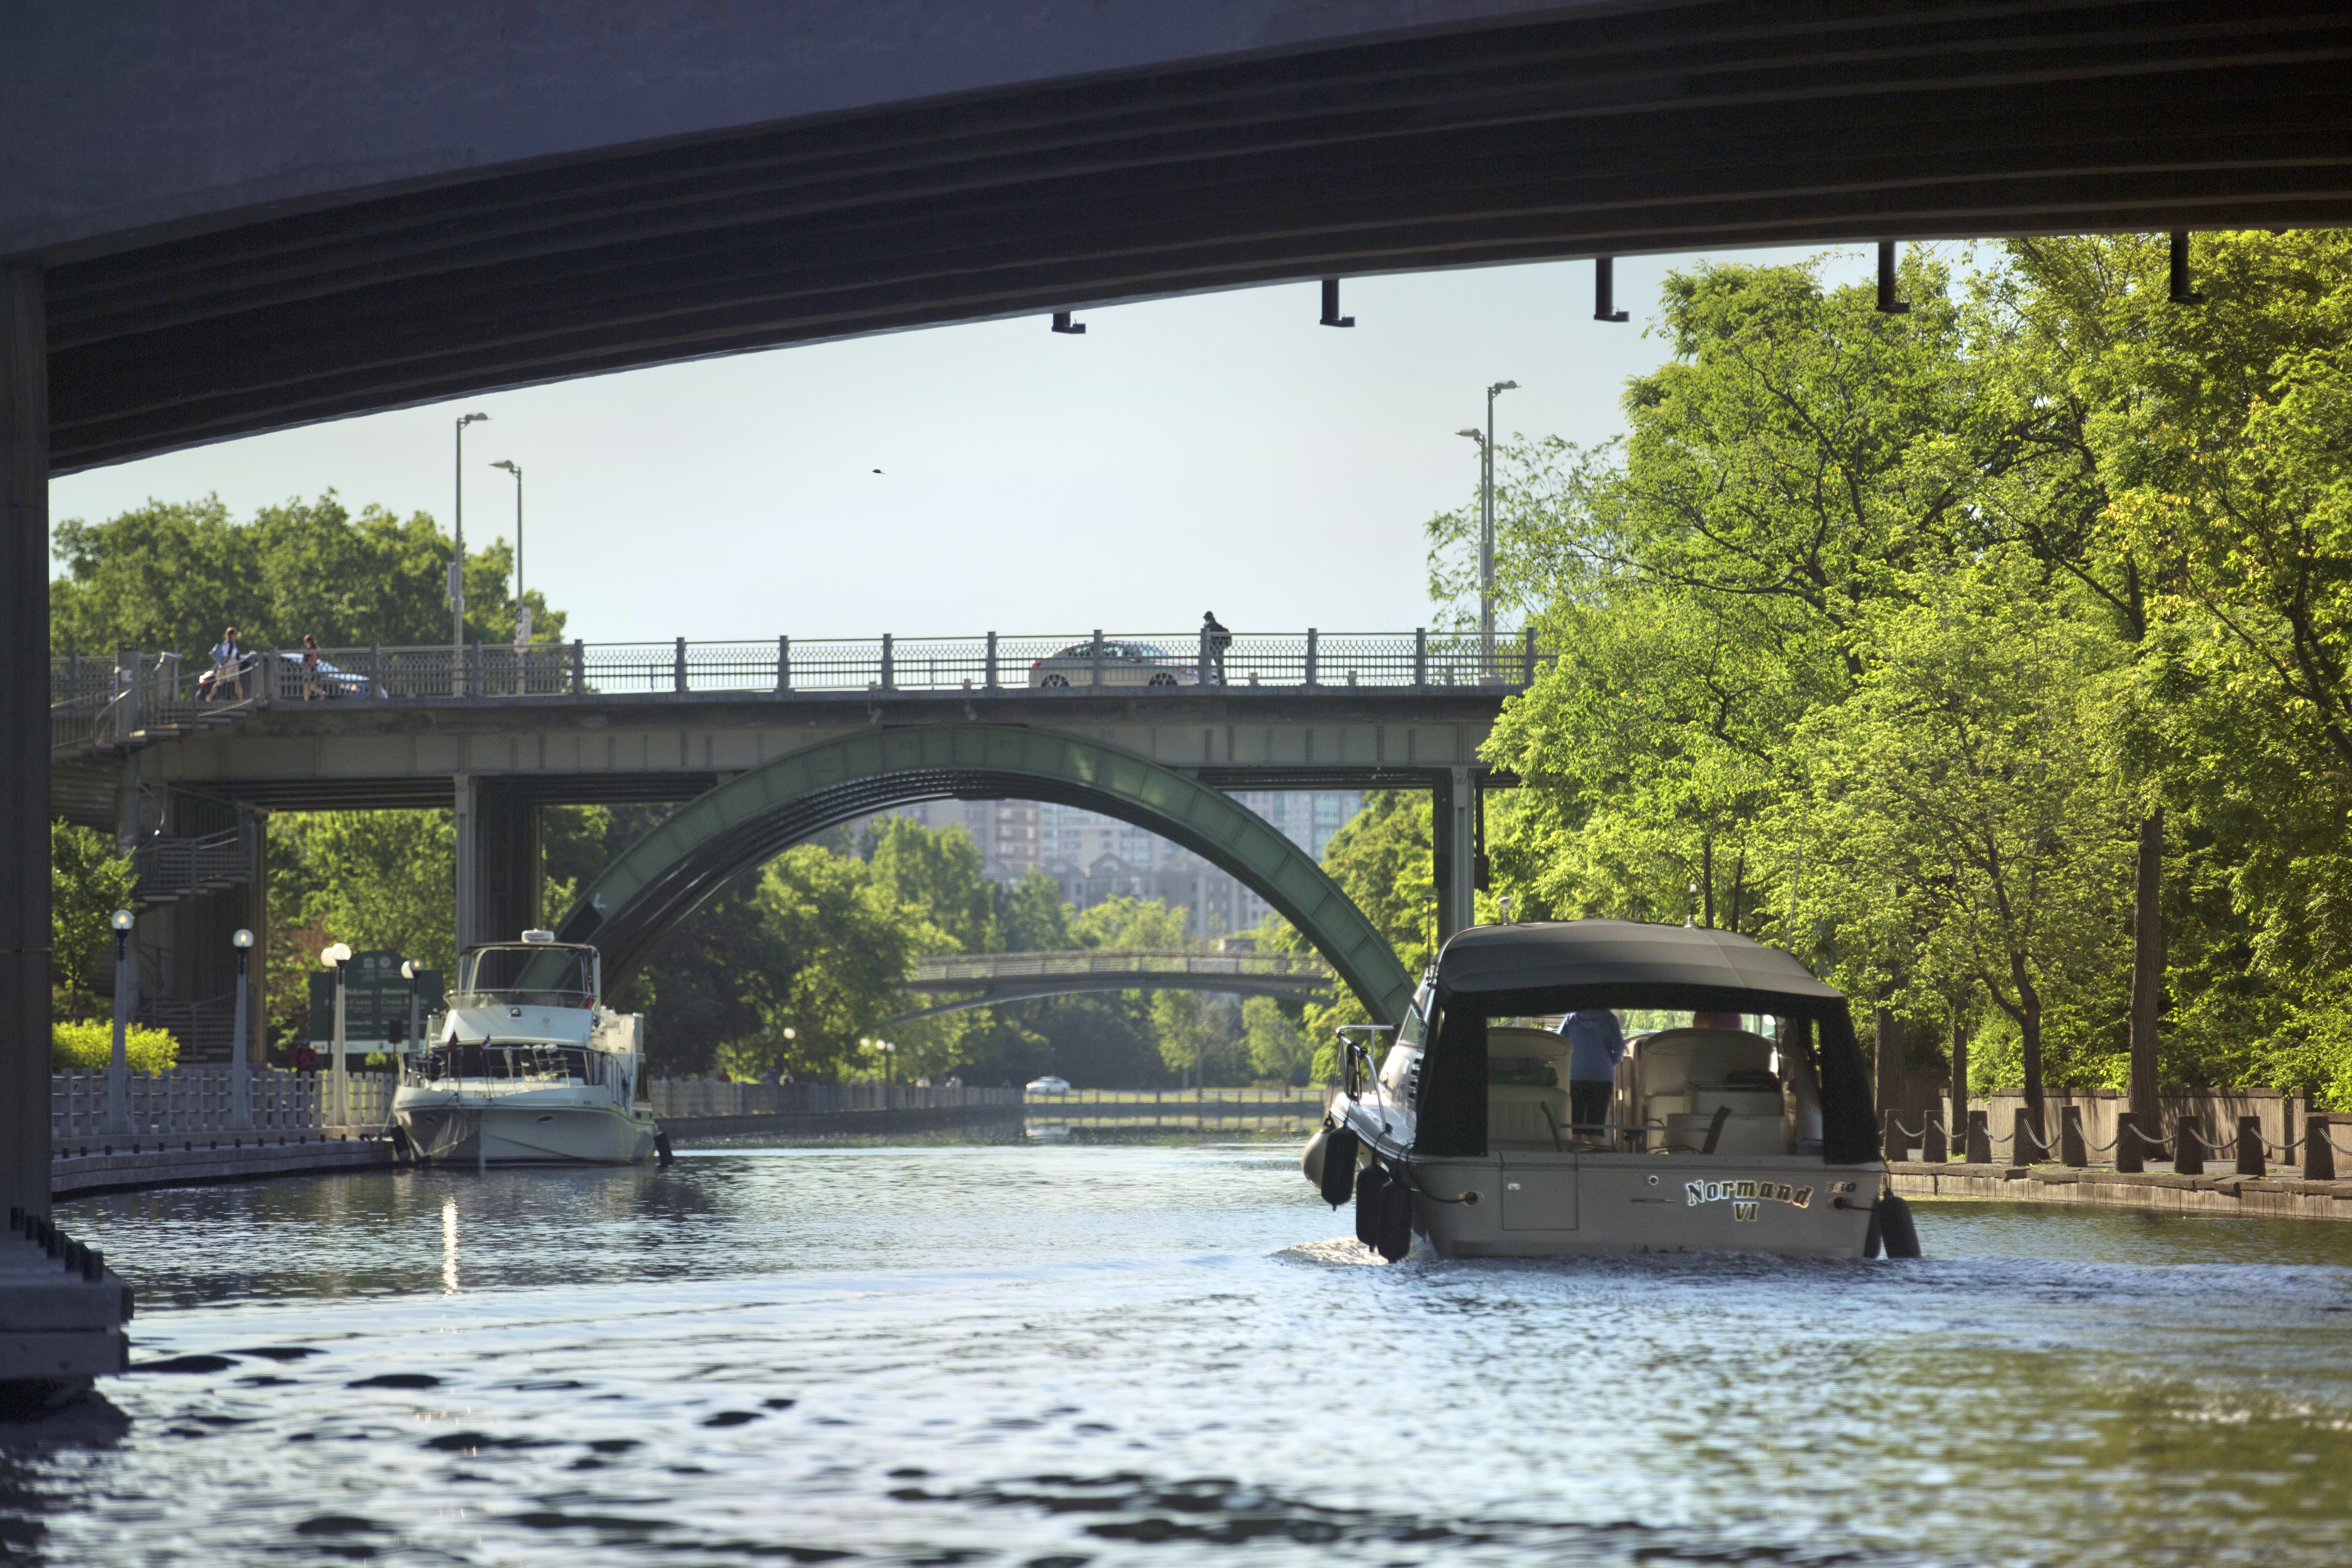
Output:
(2285, 1197)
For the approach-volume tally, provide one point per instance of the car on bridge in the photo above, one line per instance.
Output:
(1123, 664)
(1049, 1085)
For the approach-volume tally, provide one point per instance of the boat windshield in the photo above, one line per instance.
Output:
(527, 974)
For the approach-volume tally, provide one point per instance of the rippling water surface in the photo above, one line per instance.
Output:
(1165, 1355)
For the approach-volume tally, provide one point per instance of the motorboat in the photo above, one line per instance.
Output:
(1748, 1128)
(528, 1066)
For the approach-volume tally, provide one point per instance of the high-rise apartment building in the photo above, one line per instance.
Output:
(1005, 831)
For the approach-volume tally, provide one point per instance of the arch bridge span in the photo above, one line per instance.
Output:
(747, 821)
(984, 979)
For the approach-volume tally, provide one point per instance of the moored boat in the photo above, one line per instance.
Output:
(528, 1066)
(1747, 1130)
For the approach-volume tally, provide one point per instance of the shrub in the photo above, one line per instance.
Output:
(89, 1047)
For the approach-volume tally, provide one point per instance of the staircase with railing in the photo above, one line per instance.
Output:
(172, 867)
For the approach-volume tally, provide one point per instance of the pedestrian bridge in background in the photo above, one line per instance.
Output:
(983, 979)
(584, 722)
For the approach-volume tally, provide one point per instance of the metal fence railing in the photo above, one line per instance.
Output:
(202, 1101)
(97, 701)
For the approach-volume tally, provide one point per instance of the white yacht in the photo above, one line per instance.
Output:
(1749, 1131)
(527, 1066)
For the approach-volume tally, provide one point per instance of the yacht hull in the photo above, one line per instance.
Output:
(1569, 1204)
(465, 1129)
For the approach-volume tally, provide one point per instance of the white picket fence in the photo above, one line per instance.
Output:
(202, 1099)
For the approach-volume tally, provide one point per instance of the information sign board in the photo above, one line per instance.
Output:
(375, 1003)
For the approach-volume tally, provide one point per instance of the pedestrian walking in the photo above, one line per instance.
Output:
(1215, 639)
(310, 687)
(228, 664)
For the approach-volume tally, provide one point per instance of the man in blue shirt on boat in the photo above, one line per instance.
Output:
(1595, 1045)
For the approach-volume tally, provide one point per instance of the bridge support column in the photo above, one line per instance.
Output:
(1453, 849)
(24, 742)
(498, 860)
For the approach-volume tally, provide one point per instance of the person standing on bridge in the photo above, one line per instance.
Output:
(1595, 1045)
(228, 661)
(1215, 640)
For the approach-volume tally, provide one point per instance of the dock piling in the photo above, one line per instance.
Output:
(1979, 1142)
(2072, 1151)
(2249, 1147)
(2318, 1149)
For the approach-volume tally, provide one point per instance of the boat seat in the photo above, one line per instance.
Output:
(1515, 1114)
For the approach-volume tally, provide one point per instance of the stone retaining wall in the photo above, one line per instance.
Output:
(223, 1157)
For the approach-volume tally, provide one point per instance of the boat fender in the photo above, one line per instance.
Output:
(1872, 1239)
(1370, 1188)
(1395, 1237)
(400, 1148)
(1895, 1226)
(1310, 1160)
(1338, 1176)
(661, 1149)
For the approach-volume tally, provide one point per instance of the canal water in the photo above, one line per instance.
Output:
(1165, 1355)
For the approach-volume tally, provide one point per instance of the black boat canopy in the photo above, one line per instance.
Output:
(1491, 971)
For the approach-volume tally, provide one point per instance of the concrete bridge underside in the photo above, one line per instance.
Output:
(442, 198)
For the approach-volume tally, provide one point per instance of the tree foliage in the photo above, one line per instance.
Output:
(171, 575)
(1882, 637)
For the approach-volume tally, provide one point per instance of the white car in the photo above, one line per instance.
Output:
(1123, 664)
(1049, 1084)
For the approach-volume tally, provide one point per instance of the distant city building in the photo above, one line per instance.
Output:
(1095, 858)
(1005, 830)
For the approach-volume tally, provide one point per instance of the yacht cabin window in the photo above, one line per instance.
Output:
(535, 975)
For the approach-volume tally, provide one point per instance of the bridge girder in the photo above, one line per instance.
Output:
(742, 823)
(1514, 131)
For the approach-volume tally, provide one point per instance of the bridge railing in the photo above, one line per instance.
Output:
(95, 700)
(978, 967)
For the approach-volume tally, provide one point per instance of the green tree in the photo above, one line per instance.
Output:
(171, 575)
(1278, 1048)
(1963, 826)
(938, 872)
(88, 882)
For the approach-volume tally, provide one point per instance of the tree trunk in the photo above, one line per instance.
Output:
(1706, 876)
(2028, 1029)
(1890, 1063)
(1960, 1122)
(2148, 968)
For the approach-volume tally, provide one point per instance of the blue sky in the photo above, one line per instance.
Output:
(1220, 452)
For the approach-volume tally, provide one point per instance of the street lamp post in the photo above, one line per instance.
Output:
(416, 1018)
(1486, 531)
(457, 565)
(240, 1088)
(522, 611)
(334, 958)
(118, 1065)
